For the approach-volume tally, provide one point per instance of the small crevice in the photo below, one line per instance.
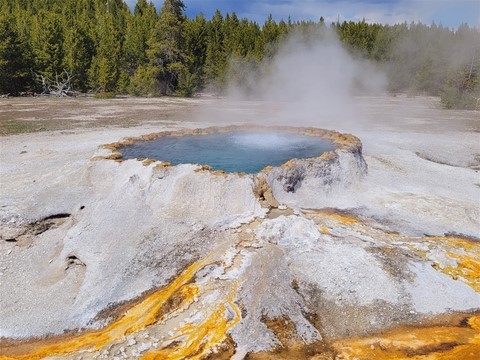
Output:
(28, 232)
(50, 222)
(73, 260)
(57, 216)
(243, 311)
(462, 236)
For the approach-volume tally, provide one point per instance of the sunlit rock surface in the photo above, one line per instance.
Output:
(140, 259)
(325, 276)
(139, 227)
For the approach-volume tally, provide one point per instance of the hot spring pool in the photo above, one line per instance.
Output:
(236, 151)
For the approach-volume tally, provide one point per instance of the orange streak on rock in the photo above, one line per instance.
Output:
(137, 318)
(433, 343)
(443, 343)
(466, 253)
(338, 217)
(198, 340)
(468, 267)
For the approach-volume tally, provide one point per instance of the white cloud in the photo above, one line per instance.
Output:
(388, 13)
(448, 12)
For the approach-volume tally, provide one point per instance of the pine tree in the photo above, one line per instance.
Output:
(138, 31)
(216, 60)
(47, 44)
(78, 56)
(139, 28)
(14, 65)
(165, 52)
(270, 31)
(104, 72)
(195, 39)
(107, 49)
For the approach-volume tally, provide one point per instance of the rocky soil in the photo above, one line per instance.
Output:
(102, 258)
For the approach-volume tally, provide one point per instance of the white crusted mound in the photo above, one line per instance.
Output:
(81, 234)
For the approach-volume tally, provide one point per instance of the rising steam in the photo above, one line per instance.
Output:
(310, 81)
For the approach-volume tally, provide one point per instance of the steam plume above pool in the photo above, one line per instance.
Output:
(311, 80)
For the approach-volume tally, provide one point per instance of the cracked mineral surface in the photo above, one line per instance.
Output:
(346, 256)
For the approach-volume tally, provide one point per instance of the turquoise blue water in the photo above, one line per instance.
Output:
(238, 151)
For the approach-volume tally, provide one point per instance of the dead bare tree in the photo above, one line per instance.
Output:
(474, 59)
(477, 102)
(61, 86)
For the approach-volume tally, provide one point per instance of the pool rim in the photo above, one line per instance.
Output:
(341, 142)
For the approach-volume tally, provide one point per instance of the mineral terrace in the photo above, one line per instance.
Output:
(370, 251)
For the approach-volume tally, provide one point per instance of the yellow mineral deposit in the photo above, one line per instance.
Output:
(465, 253)
(324, 230)
(199, 340)
(435, 343)
(344, 219)
(137, 318)
(341, 218)
(442, 343)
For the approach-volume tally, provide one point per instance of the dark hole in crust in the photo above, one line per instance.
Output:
(57, 216)
(73, 260)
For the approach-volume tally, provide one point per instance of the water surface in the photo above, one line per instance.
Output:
(239, 151)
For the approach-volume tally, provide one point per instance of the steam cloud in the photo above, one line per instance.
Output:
(313, 80)
(310, 81)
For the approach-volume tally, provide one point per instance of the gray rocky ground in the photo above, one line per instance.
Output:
(80, 234)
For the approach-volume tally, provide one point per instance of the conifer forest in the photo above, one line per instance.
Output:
(103, 47)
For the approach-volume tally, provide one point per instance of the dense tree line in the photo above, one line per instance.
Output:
(103, 47)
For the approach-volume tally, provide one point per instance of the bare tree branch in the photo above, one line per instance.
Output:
(61, 86)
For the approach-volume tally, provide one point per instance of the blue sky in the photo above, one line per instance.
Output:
(450, 13)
